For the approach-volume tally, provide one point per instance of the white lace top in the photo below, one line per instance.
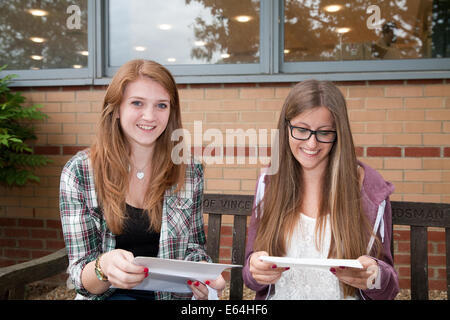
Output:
(308, 283)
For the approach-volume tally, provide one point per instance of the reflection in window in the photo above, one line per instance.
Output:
(358, 30)
(43, 34)
(184, 31)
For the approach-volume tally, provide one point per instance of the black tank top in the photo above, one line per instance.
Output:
(136, 236)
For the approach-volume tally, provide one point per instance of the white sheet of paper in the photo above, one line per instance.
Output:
(317, 263)
(172, 275)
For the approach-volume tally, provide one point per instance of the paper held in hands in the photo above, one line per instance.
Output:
(316, 263)
(172, 275)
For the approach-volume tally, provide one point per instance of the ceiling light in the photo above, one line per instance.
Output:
(333, 8)
(342, 30)
(77, 66)
(225, 55)
(140, 48)
(38, 12)
(199, 43)
(286, 51)
(171, 59)
(37, 39)
(36, 57)
(84, 53)
(243, 18)
(164, 26)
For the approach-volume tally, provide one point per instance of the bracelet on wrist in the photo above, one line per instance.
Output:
(98, 270)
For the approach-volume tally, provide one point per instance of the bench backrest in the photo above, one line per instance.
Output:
(240, 206)
(420, 216)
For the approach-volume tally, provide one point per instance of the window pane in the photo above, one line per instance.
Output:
(184, 31)
(358, 30)
(43, 34)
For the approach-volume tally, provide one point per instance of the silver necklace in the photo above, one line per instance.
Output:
(139, 172)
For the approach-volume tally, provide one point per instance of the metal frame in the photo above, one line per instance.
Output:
(271, 67)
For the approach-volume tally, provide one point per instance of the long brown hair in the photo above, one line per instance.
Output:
(340, 196)
(110, 153)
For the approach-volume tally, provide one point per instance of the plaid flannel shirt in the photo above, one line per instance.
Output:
(87, 235)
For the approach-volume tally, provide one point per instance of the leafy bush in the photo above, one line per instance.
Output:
(16, 129)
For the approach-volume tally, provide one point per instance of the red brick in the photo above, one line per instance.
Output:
(31, 244)
(446, 152)
(8, 222)
(404, 283)
(384, 152)
(47, 150)
(71, 150)
(31, 223)
(438, 236)
(54, 224)
(7, 243)
(17, 253)
(422, 152)
(17, 233)
(359, 151)
(55, 244)
(401, 235)
(425, 81)
(402, 259)
(44, 234)
(436, 260)
(40, 253)
(6, 262)
(437, 285)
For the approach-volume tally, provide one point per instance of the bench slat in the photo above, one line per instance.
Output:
(213, 240)
(238, 256)
(447, 255)
(419, 263)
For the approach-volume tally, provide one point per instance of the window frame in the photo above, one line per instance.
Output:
(271, 67)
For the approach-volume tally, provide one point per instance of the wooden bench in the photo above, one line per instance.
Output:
(14, 278)
(419, 216)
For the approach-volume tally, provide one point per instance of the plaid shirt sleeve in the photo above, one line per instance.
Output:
(81, 229)
(197, 240)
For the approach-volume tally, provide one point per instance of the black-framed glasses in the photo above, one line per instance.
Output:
(300, 133)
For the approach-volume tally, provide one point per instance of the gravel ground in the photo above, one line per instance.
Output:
(37, 291)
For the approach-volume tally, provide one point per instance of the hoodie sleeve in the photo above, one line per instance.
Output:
(249, 281)
(388, 275)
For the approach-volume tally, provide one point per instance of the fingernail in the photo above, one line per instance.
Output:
(333, 270)
(196, 283)
(207, 282)
(145, 270)
(287, 268)
(341, 267)
(146, 274)
(274, 266)
(189, 282)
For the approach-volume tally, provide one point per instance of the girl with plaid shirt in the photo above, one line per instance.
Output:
(125, 196)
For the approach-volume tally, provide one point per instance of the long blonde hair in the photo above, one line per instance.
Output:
(110, 153)
(340, 196)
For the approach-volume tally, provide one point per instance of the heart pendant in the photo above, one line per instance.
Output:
(140, 175)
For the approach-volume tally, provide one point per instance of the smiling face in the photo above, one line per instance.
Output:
(311, 154)
(144, 112)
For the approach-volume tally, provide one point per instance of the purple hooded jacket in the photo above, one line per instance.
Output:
(374, 191)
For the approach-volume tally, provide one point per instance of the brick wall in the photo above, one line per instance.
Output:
(401, 128)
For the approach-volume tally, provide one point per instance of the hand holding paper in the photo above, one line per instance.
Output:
(172, 275)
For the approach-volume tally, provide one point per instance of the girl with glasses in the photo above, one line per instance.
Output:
(321, 203)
